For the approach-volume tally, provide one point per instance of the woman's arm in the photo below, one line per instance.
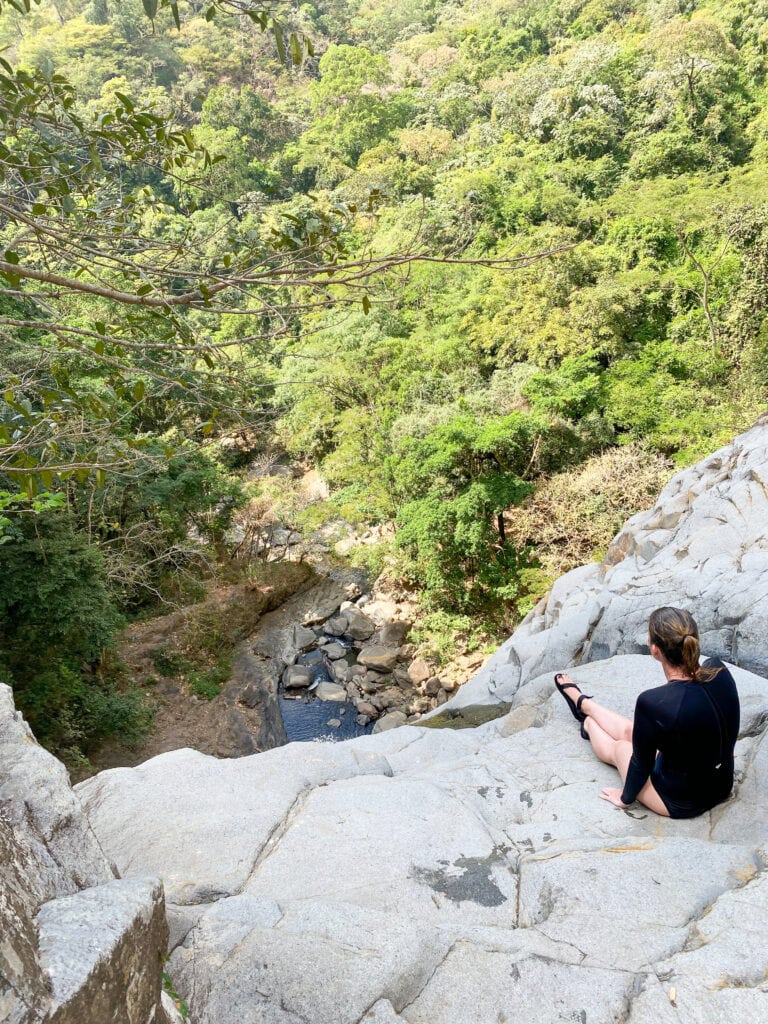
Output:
(644, 748)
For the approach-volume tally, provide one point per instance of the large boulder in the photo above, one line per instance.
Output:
(37, 801)
(703, 546)
(103, 950)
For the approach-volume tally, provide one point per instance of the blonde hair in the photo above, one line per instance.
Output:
(676, 634)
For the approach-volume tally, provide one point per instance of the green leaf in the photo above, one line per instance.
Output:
(126, 101)
(175, 12)
(279, 41)
(366, 305)
(11, 256)
(139, 389)
(150, 8)
(296, 52)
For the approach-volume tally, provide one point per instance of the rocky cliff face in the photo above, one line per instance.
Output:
(77, 944)
(431, 876)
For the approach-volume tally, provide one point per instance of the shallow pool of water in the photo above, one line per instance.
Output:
(307, 718)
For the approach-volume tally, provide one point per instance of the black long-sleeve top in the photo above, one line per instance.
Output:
(683, 738)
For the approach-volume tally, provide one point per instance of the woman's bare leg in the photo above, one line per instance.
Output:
(618, 754)
(617, 726)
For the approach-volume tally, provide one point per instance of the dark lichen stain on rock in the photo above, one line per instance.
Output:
(465, 718)
(474, 884)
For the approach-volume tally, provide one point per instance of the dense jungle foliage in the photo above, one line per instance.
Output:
(209, 232)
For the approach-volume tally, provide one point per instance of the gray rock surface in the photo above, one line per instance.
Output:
(703, 546)
(428, 876)
(359, 626)
(330, 691)
(337, 626)
(103, 950)
(68, 954)
(392, 720)
(393, 634)
(296, 677)
(334, 651)
(38, 803)
(303, 638)
(382, 659)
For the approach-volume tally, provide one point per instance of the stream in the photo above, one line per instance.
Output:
(306, 717)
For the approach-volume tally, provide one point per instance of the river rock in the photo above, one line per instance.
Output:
(393, 634)
(334, 651)
(340, 671)
(334, 723)
(402, 677)
(432, 687)
(330, 691)
(303, 638)
(419, 671)
(296, 677)
(359, 626)
(383, 659)
(336, 626)
(392, 720)
(364, 707)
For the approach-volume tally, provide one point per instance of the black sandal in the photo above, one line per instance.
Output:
(575, 706)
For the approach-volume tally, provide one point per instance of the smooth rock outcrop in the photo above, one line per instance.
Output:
(703, 546)
(428, 876)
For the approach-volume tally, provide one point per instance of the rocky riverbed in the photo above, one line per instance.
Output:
(342, 664)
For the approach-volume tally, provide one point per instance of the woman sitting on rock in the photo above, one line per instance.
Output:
(677, 755)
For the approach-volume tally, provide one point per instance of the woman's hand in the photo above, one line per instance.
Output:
(613, 796)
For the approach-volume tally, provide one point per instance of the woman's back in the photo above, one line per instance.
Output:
(694, 727)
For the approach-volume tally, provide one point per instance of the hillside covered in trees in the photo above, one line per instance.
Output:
(492, 267)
